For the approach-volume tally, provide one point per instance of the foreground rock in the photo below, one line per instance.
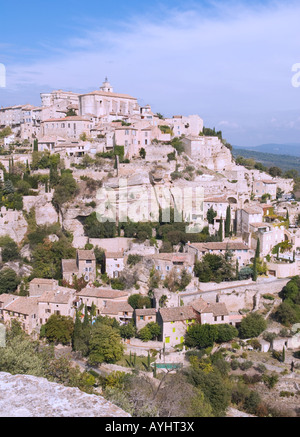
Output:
(29, 396)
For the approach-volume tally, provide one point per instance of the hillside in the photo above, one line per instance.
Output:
(292, 149)
(284, 161)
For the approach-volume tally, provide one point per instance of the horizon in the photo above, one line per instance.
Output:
(228, 62)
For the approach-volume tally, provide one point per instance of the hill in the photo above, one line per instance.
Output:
(292, 149)
(284, 161)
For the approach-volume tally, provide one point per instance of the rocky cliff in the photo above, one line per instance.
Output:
(29, 396)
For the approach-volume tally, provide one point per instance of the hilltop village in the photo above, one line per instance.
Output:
(134, 239)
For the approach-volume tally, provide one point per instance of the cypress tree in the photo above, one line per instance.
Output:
(254, 275)
(228, 221)
(257, 252)
(148, 361)
(237, 269)
(283, 354)
(220, 232)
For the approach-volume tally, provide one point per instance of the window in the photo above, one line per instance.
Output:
(167, 339)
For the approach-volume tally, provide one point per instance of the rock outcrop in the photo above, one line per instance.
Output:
(29, 396)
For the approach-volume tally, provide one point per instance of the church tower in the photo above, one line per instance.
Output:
(106, 87)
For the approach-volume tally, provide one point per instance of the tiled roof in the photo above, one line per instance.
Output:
(85, 254)
(145, 312)
(218, 309)
(43, 281)
(60, 296)
(117, 307)
(108, 94)
(177, 314)
(230, 245)
(23, 305)
(69, 266)
(199, 305)
(106, 293)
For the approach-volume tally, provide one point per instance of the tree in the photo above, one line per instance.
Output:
(252, 325)
(257, 251)
(9, 281)
(226, 333)
(10, 249)
(254, 270)
(211, 214)
(145, 334)
(65, 190)
(201, 336)
(220, 231)
(142, 153)
(105, 344)
(128, 331)
(58, 329)
(228, 221)
(275, 171)
(138, 301)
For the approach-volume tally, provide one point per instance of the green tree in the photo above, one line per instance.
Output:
(211, 214)
(142, 153)
(138, 301)
(252, 325)
(105, 345)
(220, 231)
(228, 221)
(201, 336)
(226, 333)
(9, 281)
(58, 329)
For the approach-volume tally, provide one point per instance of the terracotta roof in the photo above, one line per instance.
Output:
(85, 254)
(199, 305)
(145, 312)
(108, 94)
(7, 298)
(218, 309)
(42, 281)
(253, 209)
(23, 305)
(72, 118)
(114, 254)
(106, 293)
(177, 314)
(230, 245)
(60, 295)
(69, 266)
(173, 257)
(116, 307)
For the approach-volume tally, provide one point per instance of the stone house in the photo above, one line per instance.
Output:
(121, 311)
(174, 323)
(268, 234)
(25, 310)
(114, 263)
(261, 187)
(39, 285)
(100, 297)
(60, 301)
(211, 313)
(84, 266)
(144, 316)
(239, 250)
(67, 127)
(165, 263)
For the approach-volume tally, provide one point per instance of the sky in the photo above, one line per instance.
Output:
(228, 61)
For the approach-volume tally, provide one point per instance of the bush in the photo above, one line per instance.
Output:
(252, 326)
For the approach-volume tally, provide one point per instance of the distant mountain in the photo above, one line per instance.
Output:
(291, 149)
(284, 161)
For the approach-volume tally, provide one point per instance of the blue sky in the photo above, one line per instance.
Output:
(229, 62)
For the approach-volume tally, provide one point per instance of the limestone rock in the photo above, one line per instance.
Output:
(29, 396)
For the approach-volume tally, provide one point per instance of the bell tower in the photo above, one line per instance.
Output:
(106, 86)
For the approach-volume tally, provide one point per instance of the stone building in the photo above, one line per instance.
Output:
(84, 266)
